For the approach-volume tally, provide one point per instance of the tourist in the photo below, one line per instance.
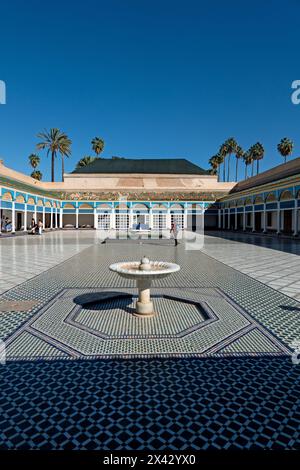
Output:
(174, 230)
(3, 223)
(40, 227)
(33, 227)
(8, 225)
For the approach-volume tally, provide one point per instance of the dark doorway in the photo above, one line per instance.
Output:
(287, 221)
(19, 221)
(257, 218)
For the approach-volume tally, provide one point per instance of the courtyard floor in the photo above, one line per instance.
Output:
(213, 370)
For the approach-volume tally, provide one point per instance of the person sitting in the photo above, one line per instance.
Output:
(33, 227)
(40, 227)
(8, 225)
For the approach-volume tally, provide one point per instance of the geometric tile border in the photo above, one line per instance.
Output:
(219, 327)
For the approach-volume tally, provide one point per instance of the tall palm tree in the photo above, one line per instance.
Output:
(223, 153)
(252, 157)
(37, 175)
(248, 160)
(239, 153)
(231, 148)
(259, 153)
(55, 142)
(219, 160)
(285, 148)
(214, 165)
(34, 160)
(97, 145)
(85, 161)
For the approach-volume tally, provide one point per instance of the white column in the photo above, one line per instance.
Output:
(35, 214)
(44, 217)
(25, 217)
(51, 218)
(278, 218)
(61, 218)
(56, 225)
(168, 220)
(130, 213)
(13, 215)
(95, 218)
(295, 229)
(235, 219)
(219, 219)
(0, 212)
(228, 220)
(113, 219)
(264, 219)
(185, 217)
(151, 218)
(244, 219)
(77, 217)
(253, 218)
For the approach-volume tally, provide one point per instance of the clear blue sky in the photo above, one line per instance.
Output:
(154, 78)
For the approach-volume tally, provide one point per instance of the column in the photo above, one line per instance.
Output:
(185, 216)
(113, 219)
(77, 217)
(51, 218)
(168, 221)
(130, 213)
(219, 219)
(0, 212)
(235, 219)
(56, 225)
(228, 221)
(244, 220)
(253, 218)
(61, 218)
(25, 217)
(35, 214)
(278, 218)
(44, 217)
(151, 218)
(264, 220)
(295, 229)
(13, 216)
(95, 218)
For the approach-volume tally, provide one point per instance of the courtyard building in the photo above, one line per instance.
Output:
(120, 194)
(266, 203)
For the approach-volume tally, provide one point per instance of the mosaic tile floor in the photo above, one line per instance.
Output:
(212, 370)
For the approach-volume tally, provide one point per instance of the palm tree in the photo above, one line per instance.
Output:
(214, 165)
(34, 160)
(231, 148)
(239, 153)
(248, 160)
(285, 148)
(259, 153)
(223, 153)
(55, 142)
(85, 161)
(97, 145)
(37, 175)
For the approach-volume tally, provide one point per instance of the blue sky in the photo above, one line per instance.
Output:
(154, 78)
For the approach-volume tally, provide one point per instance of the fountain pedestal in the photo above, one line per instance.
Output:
(144, 305)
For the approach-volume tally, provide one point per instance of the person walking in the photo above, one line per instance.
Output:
(174, 231)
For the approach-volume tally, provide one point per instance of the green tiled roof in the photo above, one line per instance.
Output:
(126, 165)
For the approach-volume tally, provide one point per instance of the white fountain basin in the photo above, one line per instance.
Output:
(144, 272)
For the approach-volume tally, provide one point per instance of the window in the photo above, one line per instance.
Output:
(103, 222)
(122, 221)
(159, 221)
(179, 219)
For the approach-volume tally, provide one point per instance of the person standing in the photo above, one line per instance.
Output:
(174, 231)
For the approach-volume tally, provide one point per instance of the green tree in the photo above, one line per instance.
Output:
(34, 160)
(231, 146)
(239, 153)
(223, 153)
(214, 165)
(37, 175)
(55, 142)
(285, 148)
(248, 160)
(258, 152)
(85, 161)
(97, 145)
